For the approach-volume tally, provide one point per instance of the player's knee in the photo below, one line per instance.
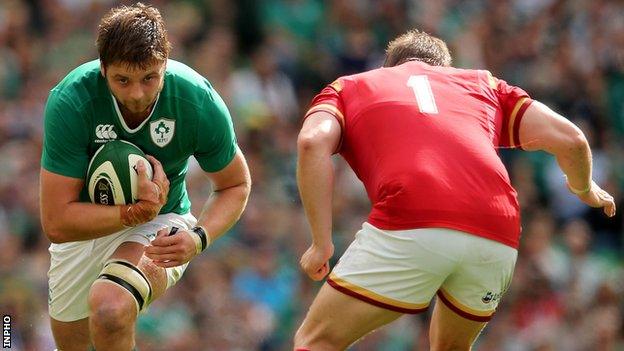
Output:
(128, 278)
(111, 310)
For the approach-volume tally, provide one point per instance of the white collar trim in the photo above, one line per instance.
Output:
(123, 121)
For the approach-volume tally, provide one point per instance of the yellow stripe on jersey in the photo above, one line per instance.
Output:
(336, 85)
(512, 119)
(329, 108)
(491, 80)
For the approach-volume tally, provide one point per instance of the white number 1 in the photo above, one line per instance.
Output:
(424, 97)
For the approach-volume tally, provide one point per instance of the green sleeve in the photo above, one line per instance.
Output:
(216, 141)
(65, 138)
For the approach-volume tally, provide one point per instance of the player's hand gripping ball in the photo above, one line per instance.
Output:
(112, 174)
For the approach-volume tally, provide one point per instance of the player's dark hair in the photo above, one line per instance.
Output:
(417, 45)
(134, 35)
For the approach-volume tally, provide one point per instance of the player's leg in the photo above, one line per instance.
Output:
(469, 297)
(129, 282)
(449, 331)
(71, 336)
(73, 267)
(133, 281)
(382, 275)
(336, 320)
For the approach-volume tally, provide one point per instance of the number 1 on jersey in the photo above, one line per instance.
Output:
(422, 90)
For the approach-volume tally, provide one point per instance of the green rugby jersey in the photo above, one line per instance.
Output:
(189, 118)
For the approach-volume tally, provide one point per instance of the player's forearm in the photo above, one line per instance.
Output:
(543, 129)
(575, 160)
(81, 221)
(223, 209)
(315, 179)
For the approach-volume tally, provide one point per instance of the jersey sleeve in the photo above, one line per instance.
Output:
(513, 103)
(329, 100)
(65, 138)
(216, 142)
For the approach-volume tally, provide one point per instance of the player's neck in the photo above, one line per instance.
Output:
(133, 120)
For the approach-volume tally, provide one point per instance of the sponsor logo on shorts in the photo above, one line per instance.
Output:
(490, 297)
(105, 133)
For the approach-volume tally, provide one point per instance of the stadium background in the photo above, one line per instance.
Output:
(267, 59)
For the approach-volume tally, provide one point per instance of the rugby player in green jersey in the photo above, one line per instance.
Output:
(109, 262)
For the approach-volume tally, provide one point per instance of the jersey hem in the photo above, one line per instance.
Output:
(480, 232)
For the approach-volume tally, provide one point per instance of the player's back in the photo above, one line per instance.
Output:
(423, 140)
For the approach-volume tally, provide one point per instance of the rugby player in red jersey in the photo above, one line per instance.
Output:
(423, 137)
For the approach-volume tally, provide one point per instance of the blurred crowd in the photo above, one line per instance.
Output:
(267, 59)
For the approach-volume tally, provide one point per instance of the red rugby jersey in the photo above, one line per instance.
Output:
(423, 139)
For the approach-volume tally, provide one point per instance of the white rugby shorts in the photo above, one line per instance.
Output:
(401, 270)
(74, 266)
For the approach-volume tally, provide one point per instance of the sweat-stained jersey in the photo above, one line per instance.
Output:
(188, 119)
(423, 139)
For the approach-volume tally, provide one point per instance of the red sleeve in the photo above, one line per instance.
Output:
(330, 101)
(513, 103)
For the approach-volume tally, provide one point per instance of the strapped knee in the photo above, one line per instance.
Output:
(129, 277)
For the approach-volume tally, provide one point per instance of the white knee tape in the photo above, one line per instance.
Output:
(129, 277)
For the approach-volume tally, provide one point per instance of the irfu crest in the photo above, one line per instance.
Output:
(162, 131)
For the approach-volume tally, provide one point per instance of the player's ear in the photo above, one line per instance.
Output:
(102, 70)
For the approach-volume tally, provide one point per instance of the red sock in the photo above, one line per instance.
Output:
(302, 349)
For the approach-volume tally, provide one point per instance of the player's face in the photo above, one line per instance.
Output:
(133, 87)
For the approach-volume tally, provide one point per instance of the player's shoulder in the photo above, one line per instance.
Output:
(183, 82)
(80, 85)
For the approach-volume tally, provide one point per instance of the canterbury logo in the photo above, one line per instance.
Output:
(105, 131)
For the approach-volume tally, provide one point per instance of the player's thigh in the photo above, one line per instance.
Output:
(469, 296)
(450, 331)
(134, 246)
(336, 320)
(71, 336)
(133, 252)
(106, 292)
(73, 268)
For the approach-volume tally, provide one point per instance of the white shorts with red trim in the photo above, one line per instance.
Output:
(401, 270)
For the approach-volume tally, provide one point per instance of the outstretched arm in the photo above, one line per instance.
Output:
(543, 129)
(318, 139)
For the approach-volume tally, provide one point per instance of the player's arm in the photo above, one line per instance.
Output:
(318, 139)
(231, 188)
(65, 219)
(543, 129)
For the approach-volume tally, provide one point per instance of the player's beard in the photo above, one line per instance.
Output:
(138, 106)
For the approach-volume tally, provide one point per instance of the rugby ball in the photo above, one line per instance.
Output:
(112, 176)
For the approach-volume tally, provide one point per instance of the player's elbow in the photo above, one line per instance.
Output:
(308, 142)
(53, 232)
(55, 236)
(571, 140)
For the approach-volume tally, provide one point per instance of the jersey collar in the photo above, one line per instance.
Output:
(123, 121)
